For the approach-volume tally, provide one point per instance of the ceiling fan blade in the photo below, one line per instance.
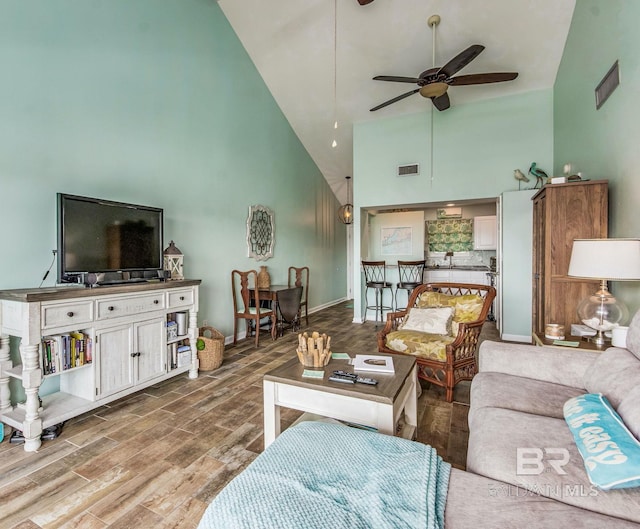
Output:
(394, 100)
(442, 102)
(461, 60)
(396, 79)
(482, 78)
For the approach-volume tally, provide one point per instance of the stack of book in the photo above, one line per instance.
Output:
(66, 351)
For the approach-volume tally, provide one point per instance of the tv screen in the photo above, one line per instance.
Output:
(101, 236)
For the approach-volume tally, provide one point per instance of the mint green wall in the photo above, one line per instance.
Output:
(476, 149)
(157, 103)
(603, 143)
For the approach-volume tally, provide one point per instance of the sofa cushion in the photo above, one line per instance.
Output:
(610, 452)
(432, 320)
(420, 344)
(498, 390)
(614, 374)
(498, 448)
(483, 503)
(629, 410)
(633, 335)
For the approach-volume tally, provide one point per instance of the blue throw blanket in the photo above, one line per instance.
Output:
(320, 475)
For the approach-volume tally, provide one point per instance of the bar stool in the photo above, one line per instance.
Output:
(410, 274)
(375, 277)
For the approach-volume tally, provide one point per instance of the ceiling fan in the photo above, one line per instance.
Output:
(434, 82)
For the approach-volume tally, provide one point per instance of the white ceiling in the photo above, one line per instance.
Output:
(291, 42)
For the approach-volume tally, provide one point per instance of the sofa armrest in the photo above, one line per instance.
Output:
(549, 364)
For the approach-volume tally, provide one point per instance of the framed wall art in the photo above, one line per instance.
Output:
(396, 240)
(261, 233)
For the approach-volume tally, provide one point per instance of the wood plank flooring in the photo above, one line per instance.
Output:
(158, 457)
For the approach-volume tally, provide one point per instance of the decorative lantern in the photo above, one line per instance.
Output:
(174, 261)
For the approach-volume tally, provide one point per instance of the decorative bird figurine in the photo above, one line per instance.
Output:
(520, 177)
(539, 174)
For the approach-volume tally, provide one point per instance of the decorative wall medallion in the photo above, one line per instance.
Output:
(261, 233)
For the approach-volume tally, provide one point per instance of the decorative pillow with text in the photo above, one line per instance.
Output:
(610, 452)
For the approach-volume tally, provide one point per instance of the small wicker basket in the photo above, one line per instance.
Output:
(210, 357)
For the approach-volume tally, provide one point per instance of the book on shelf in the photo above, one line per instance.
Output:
(373, 363)
(66, 351)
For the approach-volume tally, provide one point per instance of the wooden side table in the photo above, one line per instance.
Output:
(583, 345)
(377, 406)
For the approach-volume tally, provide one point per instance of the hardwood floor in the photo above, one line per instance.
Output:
(158, 457)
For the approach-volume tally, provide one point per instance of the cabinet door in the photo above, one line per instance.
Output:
(114, 360)
(485, 233)
(438, 276)
(150, 349)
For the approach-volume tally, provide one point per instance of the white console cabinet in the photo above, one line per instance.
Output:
(124, 331)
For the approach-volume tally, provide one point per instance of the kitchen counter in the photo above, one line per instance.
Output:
(482, 268)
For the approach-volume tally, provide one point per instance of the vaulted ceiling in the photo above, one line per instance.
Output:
(292, 44)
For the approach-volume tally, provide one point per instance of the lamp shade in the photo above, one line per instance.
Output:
(611, 259)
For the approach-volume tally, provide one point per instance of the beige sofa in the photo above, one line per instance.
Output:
(517, 402)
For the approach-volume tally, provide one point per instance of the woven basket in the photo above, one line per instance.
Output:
(211, 356)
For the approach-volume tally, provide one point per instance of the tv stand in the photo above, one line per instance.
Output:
(120, 347)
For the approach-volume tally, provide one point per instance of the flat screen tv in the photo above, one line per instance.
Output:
(106, 241)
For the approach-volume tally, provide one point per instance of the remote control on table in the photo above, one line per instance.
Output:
(369, 381)
(340, 378)
(341, 373)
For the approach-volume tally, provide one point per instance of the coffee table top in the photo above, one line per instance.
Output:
(386, 391)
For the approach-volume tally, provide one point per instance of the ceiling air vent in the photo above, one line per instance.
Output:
(408, 170)
(608, 84)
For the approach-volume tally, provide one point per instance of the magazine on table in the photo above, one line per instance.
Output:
(373, 364)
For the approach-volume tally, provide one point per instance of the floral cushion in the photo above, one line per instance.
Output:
(422, 344)
(467, 308)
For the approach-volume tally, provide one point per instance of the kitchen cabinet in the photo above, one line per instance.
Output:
(457, 275)
(562, 213)
(485, 233)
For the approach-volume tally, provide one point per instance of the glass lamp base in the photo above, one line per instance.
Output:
(598, 339)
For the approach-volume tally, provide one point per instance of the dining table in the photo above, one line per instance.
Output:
(268, 296)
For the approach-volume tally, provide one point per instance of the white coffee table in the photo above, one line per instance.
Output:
(378, 407)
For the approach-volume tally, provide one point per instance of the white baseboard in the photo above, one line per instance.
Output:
(517, 338)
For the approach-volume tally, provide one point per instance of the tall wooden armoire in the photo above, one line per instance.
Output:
(562, 213)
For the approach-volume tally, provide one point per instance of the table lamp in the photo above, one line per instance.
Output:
(604, 260)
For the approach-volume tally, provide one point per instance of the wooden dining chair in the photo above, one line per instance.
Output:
(299, 277)
(246, 305)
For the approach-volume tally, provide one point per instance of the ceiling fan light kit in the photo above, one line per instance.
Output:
(434, 82)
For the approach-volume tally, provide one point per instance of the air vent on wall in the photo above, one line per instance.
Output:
(408, 170)
(608, 84)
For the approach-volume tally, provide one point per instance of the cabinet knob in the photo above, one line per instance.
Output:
(155, 301)
(70, 314)
(181, 298)
(111, 308)
(133, 355)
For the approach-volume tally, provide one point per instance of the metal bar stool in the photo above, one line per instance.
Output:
(375, 277)
(411, 275)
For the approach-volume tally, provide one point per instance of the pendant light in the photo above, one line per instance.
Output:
(345, 213)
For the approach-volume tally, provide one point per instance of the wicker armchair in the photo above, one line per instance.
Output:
(456, 359)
